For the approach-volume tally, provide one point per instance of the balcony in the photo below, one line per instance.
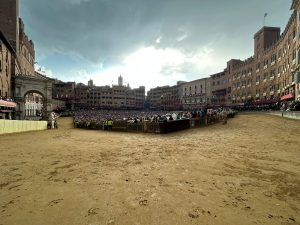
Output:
(233, 89)
(243, 98)
(239, 77)
(294, 62)
(257, 83)
(278, 91)
(265, 94)
(244, 75)
(257, 70)
(279, 59)
(233, 79)
(249, 85)
(273, 63)
(233, 98)
(249, 74)
(257, 95)
(265, 80)
(249, 96)
(239, 88)
(271, 92)
(278, 75)
(243, 87)
(272, 78)
(265, 67)
(238, 98)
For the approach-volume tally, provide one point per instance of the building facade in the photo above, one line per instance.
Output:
(6, 53)
(196, 94)
(6, 56)
(272, 73)
(296, 8)
(165, 97)
(13, 28)
(21, 59)
(81, 92)
(63, 90)
(91, 96)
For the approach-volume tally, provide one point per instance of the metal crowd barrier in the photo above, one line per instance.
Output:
(135, 127)
(175, 125)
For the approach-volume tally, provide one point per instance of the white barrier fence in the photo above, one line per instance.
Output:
(287, 114)
(16, 126)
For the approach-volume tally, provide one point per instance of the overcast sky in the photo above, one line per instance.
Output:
(149, 42)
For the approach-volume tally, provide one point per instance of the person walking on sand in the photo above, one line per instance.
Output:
(282, 109)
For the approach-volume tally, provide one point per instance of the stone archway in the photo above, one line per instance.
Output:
(24, 84)
(34, 105)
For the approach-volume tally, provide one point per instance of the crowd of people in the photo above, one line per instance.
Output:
(98, 118)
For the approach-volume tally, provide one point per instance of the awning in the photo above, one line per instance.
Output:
(288, 96)
(8, 104)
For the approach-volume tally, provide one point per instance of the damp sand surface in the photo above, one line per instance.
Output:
(245, 172)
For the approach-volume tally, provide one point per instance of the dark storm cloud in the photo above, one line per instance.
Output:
(97, 30)
(107, 30)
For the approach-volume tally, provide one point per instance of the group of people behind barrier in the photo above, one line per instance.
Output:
(107, 124)
(133, 120)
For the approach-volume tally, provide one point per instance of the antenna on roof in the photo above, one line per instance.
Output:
(265, 16)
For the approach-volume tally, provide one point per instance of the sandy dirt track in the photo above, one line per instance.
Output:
(245, 172)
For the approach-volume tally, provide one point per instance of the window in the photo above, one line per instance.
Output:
(294, 54)
(280, 53)
(273, 58)
(272, 73)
